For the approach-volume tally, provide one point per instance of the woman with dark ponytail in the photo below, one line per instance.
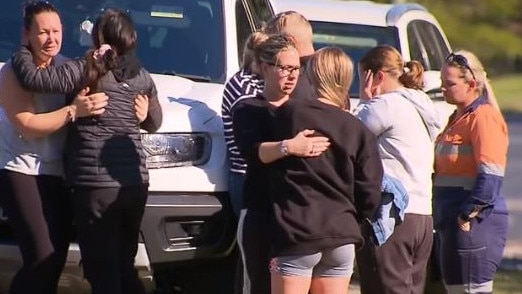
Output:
(394, 107)
(107, 164)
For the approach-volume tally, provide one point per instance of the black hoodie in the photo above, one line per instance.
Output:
(319, 202)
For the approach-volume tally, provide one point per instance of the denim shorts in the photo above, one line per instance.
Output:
(335, 262)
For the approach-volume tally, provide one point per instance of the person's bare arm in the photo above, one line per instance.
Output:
(304, 144)
(19, 108)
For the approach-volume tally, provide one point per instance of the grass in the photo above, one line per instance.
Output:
(508, 282)
(508, 90)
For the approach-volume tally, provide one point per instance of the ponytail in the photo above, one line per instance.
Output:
(413, 75)
(99, 62)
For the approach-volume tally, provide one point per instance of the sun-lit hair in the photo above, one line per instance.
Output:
(268, 51)
(388, 59)
(249, 53)
(293, 24)
(330, 72)
(479, 73)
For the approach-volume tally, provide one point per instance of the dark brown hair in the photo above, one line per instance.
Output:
(115, 28)
(388, 59)
(33, 8)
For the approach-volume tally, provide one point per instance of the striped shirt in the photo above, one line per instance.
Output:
(244, 84)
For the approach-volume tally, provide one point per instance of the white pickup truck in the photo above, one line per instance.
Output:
(192, 47)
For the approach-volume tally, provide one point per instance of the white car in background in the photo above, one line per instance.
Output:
(192, 47)
(357, 26)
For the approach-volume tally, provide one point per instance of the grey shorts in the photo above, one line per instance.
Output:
(335, 262)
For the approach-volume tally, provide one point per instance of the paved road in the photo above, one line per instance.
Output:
(513, 187)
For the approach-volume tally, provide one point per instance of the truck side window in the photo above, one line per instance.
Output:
(426, 44)
(417, 52)
(261, 12)
(437, 49)
(242, 27)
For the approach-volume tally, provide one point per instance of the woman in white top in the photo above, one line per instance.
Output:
(32, 138)
(404, 119)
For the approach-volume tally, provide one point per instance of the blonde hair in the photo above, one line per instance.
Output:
(330, 72)
(293, 24)
(476, 66)
(249, 56)
(388, 59)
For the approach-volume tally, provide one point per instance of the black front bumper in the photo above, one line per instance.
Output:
(179, 228)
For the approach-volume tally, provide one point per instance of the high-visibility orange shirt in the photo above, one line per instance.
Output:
(470, 156)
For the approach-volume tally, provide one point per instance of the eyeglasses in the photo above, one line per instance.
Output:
(286, 70)
(461, 61)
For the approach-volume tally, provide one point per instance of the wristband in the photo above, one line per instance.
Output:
(283, 148)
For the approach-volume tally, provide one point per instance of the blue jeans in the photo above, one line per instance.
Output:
(236, 182)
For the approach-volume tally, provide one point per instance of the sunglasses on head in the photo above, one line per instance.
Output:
(461, 61)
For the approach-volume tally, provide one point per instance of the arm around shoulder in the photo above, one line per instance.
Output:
(19, 108)
(65, 78)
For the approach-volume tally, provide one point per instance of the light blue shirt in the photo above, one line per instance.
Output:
(392, 209)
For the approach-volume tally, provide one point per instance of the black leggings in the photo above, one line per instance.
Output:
(39, 212)
(108, 223)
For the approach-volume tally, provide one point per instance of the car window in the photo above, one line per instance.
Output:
(426, 44)
(243, 28)
(174, 36)
(261, 11)
(354, 39)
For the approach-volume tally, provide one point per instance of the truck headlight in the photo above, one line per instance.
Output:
(176, 149)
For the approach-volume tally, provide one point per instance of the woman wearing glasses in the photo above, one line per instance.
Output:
(278, 62)
(470, 212)
(394, 107)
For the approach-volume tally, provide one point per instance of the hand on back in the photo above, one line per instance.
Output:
(89, 104)
(305, 144)
(141, 106)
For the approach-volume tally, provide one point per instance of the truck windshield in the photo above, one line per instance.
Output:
(179, 37)
(355, 40)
